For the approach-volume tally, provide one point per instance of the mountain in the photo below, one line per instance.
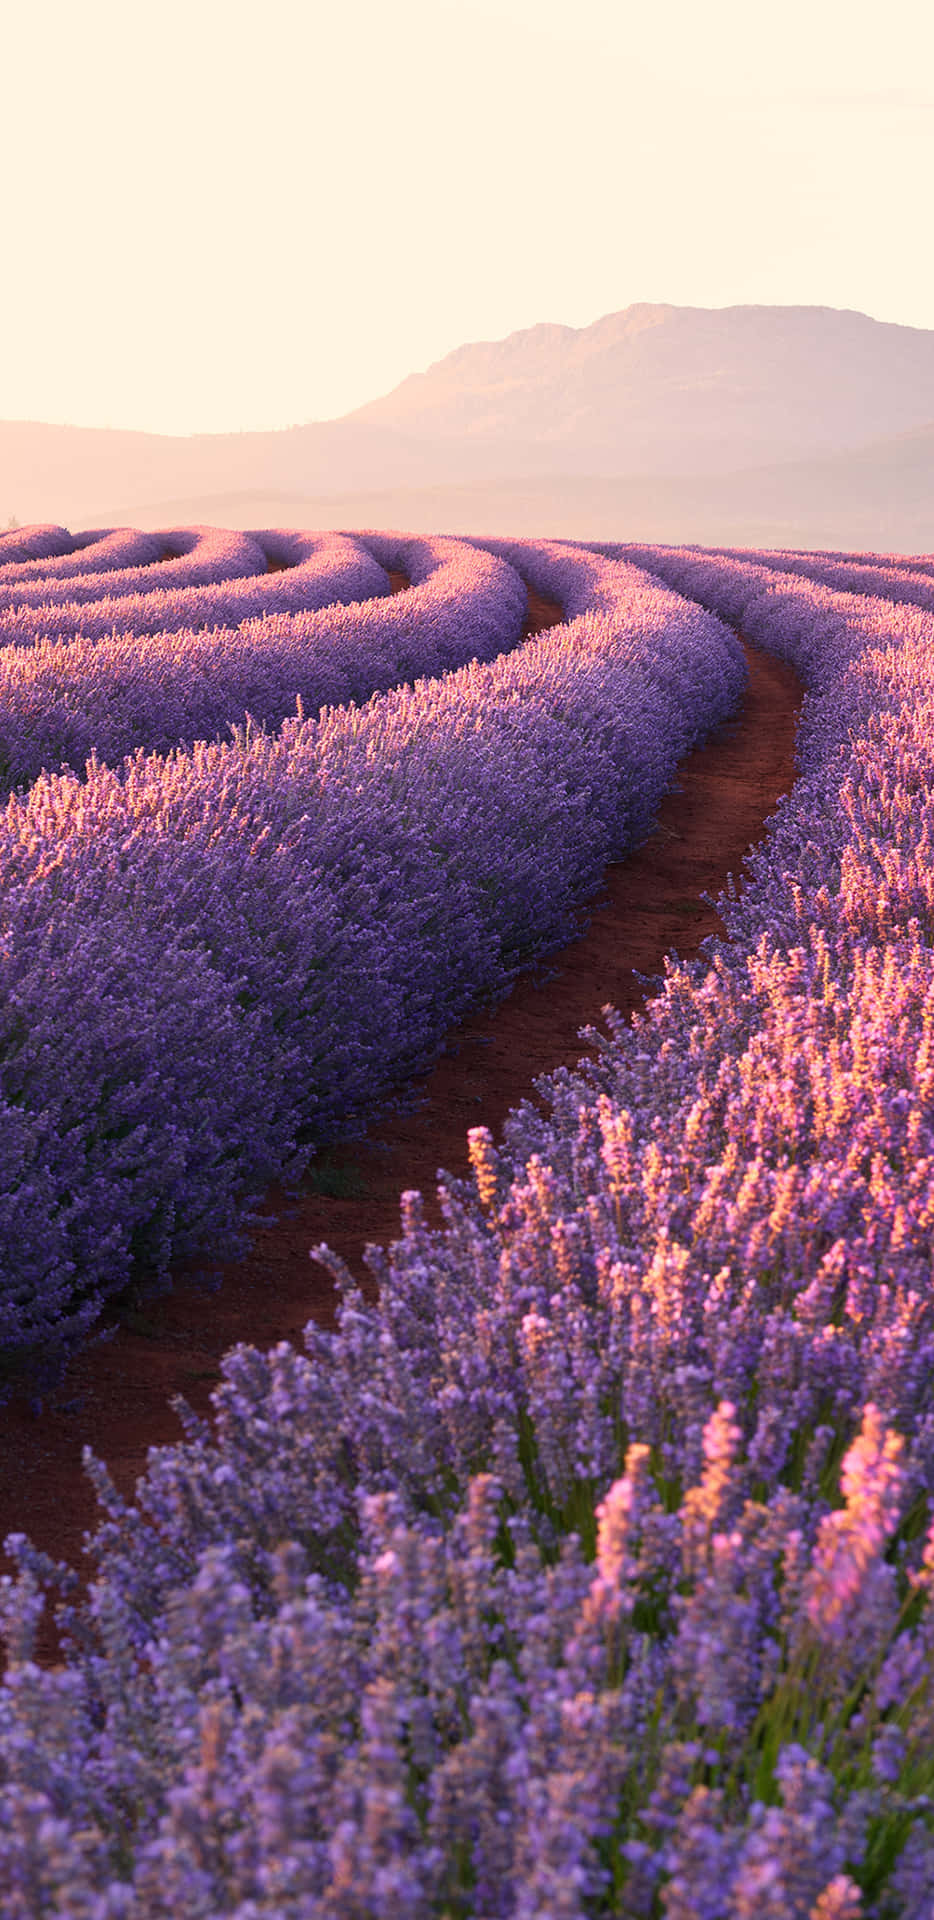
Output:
(760, 425)
(661, 389)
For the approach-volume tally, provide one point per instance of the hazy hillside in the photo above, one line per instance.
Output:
(772, 425)
(880, 497)
(658, 389)
(72, 473)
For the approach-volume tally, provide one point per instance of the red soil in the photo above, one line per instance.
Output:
(116, 1397)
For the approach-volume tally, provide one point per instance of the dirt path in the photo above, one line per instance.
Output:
(115, 1397)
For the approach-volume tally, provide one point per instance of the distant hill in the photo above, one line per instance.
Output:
(879, 497)
(71, 474)
(769, 425)
(661, 389)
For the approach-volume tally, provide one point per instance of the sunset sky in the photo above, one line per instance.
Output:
(221, 216)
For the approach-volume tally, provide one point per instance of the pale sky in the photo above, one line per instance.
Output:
(220, 216)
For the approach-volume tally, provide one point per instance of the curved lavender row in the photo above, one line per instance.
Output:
(591, 1571)
(208, 559)
(922, 563)
(100, 553)
(911, 588)
(314, 909)
(566, 571)
(784, 612)
(645, 1340)
(905, 583)
(204, 558)
(585, 580)
(61, 543)
(35, 543)
(59, 703)
(328, 569)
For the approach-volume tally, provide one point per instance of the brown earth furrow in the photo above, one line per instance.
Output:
(115, 1397)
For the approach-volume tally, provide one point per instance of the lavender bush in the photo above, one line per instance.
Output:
(610, 1524)
(104, 550)
(590, 1570)
(328, 901)
(216, 578)
(61, 700)
(561, 570)
(35, 543)
(736, 572)
(906, 580)
(90, 601)
(901, 562)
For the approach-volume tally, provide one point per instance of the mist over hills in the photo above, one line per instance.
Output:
(660, 389)
(780, 426)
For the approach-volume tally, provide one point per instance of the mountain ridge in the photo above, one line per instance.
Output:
(663, 388)
(657, 407)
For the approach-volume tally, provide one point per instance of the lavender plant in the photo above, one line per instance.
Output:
(216, 577)
(428, 844)
(905, 579)
(34, 543)
(102, 550)
(62, 700)
(589, 1570)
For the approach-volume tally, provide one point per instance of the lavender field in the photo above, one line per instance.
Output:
(589, 1568)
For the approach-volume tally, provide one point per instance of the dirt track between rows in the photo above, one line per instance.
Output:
(116, 1397)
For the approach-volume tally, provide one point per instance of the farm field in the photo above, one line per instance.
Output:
(582, 1561)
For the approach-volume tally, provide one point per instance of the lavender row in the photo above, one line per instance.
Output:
(912, 587)
(208, 571)
(783, 612)
(312, 909)
(590, 1571)
(35, 543)
(103, 551)
(60, 702)
(904, 562)
(907, 581)
(215, 575)
(564, 571)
